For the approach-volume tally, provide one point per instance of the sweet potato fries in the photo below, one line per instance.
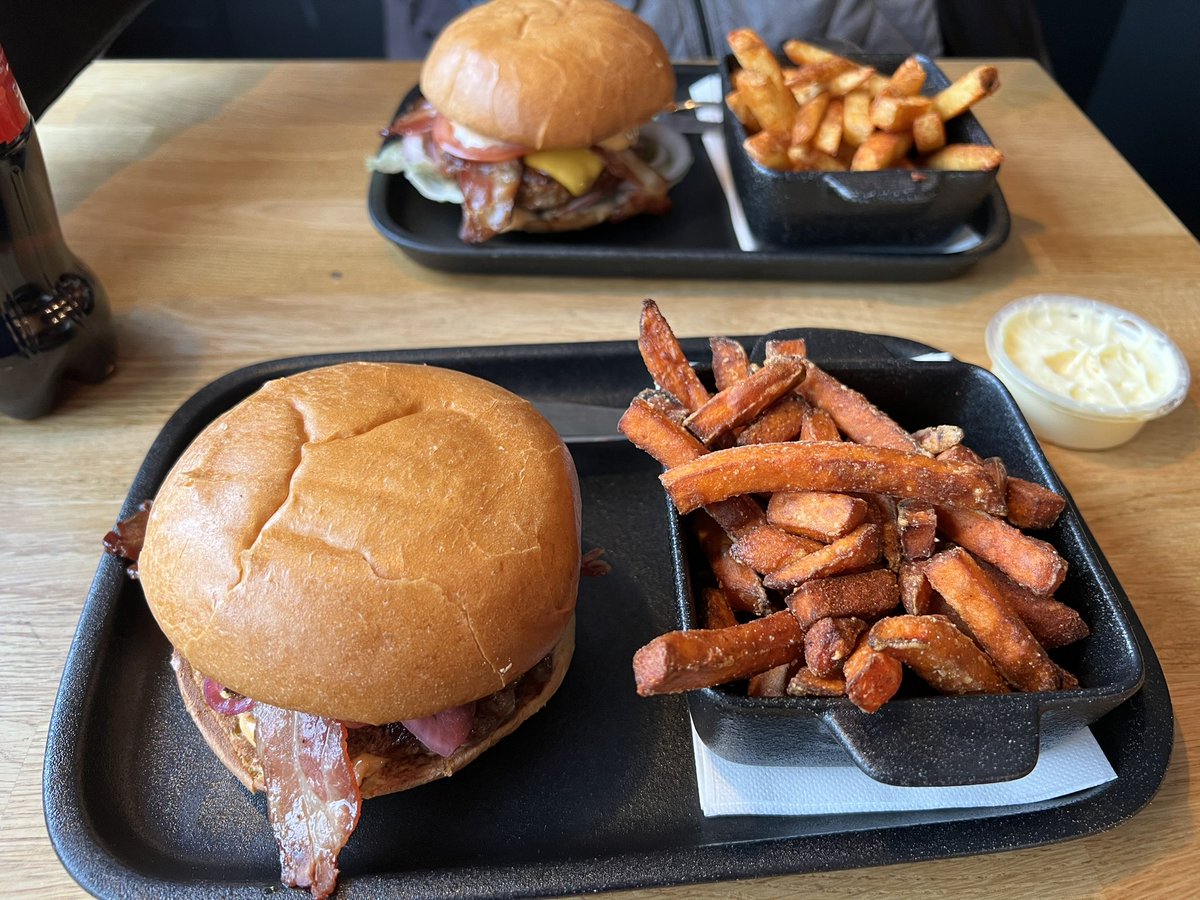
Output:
(844, 548)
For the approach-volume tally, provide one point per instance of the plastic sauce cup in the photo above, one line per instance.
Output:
(1086, 375)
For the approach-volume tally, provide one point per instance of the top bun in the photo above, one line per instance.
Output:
(368, 542)
(548, 74)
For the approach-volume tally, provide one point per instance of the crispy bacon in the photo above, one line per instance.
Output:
(313, 797)
(489, 197)
(592, 566)
(125, 540)
(417, 119)
(127, 536)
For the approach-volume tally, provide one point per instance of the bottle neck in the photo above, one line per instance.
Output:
(14, 114)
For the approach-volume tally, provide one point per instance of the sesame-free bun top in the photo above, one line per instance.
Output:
(548, 74)
(370, 542)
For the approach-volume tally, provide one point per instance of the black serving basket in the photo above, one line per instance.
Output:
(885, 208)
(928, 740)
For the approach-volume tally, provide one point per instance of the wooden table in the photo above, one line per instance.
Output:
(222, 205)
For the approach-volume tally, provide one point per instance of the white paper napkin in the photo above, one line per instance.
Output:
(1069, 762)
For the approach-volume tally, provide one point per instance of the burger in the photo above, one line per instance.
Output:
(368, 575)
(529, 117)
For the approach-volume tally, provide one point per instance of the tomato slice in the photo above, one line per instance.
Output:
(497, 151)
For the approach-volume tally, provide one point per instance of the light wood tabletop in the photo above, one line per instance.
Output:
(223, 206)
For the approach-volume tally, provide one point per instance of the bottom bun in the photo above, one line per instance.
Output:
(387, 758)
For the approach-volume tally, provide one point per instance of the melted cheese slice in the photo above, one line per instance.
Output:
(576, 170)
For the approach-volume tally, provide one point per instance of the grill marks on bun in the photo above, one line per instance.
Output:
(548, 74)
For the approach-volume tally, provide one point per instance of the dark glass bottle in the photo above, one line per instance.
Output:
(55, 321)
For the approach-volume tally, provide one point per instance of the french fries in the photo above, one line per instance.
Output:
(917, 522)
(965, 158)
(651, 428)
(847, 541)
(781, 422)
(829, 642)
(1031, 505)
(897, 114)
(907, 80)
(966, 92)
(939, 439)
(867, 596)
(816, 514)
(807, 683)
(809, 118)
(1024, 559)
(938, 652)
(993, 625)
(830, 109)
(857, 550)
(855, 416)
(686, 660)
(880, 151)
(766, 548)
(828, 466)
(1054, 624)
(743, 401)
(872, 678)
(818, 425)
(665, 360)
(771, 683)
(739, 583)
(916, 593)
(929, 132)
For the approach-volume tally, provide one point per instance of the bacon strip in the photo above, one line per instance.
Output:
(313, 798)
(489, 196)
(417, 119)
(125, 540)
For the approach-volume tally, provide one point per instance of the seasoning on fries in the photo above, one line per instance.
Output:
(838, 563)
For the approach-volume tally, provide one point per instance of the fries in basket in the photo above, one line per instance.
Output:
(829, 113)
(843, 554)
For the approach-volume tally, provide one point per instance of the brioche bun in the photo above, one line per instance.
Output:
(548, 74)
(367, 542)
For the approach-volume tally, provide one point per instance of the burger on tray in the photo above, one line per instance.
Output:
(529, 117)
(368, 573)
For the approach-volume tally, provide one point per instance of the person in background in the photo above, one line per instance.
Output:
(696, 29)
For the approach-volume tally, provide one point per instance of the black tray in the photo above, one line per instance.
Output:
(695, 240)
(596, 792)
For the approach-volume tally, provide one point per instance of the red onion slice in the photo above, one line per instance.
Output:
(230, 705)
(443, 732)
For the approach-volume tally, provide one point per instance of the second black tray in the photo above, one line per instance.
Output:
(596, 792)
(694, 240)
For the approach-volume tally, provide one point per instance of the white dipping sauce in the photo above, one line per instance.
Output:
(1095, 356)
(1087, 375)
